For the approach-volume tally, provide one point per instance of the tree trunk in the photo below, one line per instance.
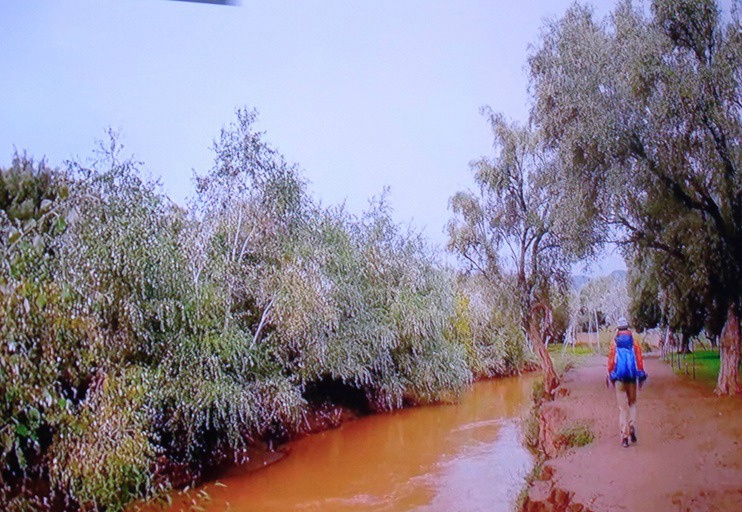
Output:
(665, 343)
(685, 343)
(551, 379)
(729, 352)
(538, 329)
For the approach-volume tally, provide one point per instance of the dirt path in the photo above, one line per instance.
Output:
(688, 456)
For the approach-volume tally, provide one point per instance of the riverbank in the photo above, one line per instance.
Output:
(330, 409)
(688, 456)
(463, 456)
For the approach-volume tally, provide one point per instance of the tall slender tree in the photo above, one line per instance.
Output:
(512, 229)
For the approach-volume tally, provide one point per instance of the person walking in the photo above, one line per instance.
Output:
(625, 368)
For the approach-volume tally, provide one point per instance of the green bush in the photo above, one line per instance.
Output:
(485, 322)
(103, 457)
(530, 426)
(576, 435)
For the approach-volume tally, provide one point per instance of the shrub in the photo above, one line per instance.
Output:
(576, 435)
(103, 458)
(530, 426)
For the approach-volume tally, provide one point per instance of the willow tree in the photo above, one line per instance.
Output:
(513, 230)
(672, 300)
(645, 110)
(319, 299)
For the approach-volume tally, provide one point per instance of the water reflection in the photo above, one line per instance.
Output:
(463, 457)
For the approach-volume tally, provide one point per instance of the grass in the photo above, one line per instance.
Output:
(575, 350)
(529, 432)
(570, 436)
(567, 357)
(706, 363)
(576, 435)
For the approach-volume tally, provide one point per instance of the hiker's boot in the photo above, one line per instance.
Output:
(625, 442)
(632, 434)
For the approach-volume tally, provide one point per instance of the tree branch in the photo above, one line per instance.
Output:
(263, 319)
(706, 205)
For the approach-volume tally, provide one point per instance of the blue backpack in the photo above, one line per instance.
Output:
(625, 369)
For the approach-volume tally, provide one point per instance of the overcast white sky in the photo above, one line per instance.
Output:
(362, 94)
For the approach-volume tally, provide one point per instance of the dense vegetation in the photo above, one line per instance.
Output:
(136, 333)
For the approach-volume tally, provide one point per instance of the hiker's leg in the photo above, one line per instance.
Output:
(622, 398)
(631, 395)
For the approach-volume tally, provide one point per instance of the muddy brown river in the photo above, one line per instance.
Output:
(462, 457)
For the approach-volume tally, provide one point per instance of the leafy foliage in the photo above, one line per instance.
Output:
(135, 331)
(487, 322)
(603, 297)
(518, 230)
(517, 234)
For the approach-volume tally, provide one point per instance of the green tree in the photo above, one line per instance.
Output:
(487, 321)
(38, 327)
(119, 262)
(645, 111)
(27, 190)
(513, 231)
(601, 301)
(669, 299)
(645, 306)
